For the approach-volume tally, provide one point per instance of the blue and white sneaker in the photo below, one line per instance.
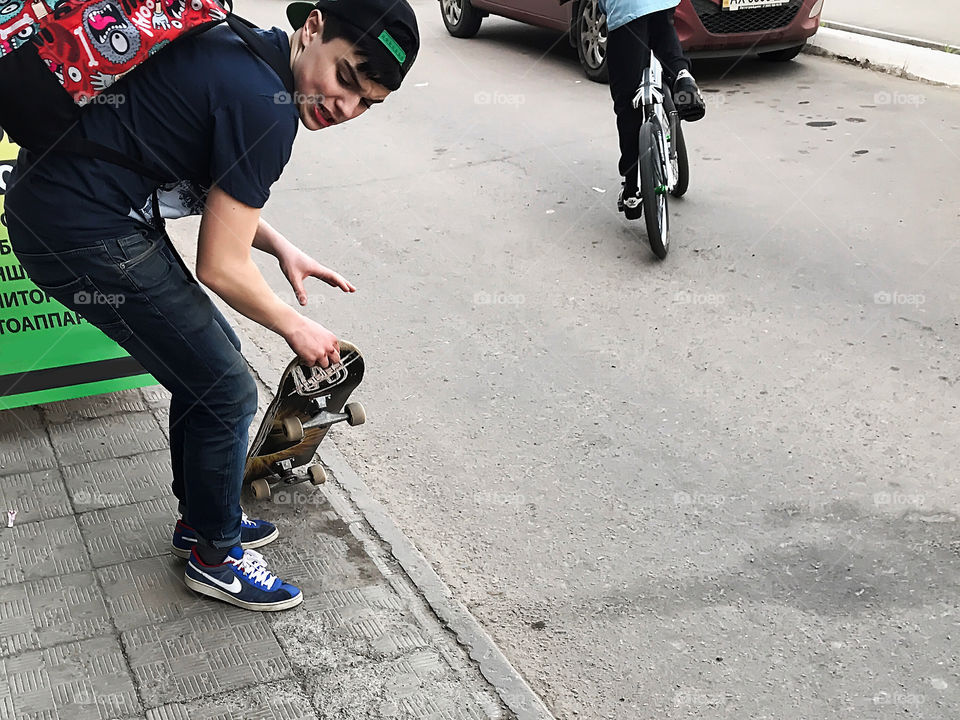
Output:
(253, 534)
(242, 579)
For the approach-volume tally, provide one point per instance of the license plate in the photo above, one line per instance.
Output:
(749, 4)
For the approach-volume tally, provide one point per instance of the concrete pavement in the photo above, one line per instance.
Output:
(919, 41)
(96, 623)
(890, 56)
(937, 21)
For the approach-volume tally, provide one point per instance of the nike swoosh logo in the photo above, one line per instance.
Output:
(233, 587)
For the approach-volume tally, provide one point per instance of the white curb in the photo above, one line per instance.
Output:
(894, 57)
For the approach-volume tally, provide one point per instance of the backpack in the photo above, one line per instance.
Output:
(58, 56)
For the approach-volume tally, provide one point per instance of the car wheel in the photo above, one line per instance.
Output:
(590, 35)
(461, 18)
(782, 55)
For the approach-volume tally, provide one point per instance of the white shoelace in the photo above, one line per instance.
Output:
(255, 557)
(254, 566)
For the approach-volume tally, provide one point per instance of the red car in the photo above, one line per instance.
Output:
(772, 29)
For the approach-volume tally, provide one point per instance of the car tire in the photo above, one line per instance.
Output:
(461, 18)
(784, 55)
(590, 37)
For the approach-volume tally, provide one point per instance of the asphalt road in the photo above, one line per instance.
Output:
(723, 485)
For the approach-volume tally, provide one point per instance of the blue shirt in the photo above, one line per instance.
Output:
(620, 12)
(206, 110)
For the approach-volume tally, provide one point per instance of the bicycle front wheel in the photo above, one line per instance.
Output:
(653, 187)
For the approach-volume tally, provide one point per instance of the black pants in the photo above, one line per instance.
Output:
(628, 54)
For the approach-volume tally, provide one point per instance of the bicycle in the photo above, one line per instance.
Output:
(664, 167)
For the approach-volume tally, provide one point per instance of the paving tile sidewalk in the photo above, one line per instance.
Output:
(96, 623)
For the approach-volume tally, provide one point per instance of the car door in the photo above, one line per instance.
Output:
(545, 13)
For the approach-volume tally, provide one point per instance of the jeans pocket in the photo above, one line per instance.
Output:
(99, 309)
(148, 261)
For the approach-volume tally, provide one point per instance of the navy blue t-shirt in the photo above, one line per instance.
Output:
(206, 110)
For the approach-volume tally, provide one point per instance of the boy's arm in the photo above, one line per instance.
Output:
(227, 232)
(268, 240)
(296, 264)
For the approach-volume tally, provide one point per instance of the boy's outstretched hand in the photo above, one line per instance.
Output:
(298, 266)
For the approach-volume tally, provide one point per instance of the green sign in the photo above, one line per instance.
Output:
(48, 352)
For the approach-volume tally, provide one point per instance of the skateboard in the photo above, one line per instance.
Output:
(308, 402)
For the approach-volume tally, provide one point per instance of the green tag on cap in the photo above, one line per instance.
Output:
(393, 46)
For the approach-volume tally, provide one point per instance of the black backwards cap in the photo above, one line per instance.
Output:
(390, 25)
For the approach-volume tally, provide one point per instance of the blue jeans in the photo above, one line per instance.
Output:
(135, 291)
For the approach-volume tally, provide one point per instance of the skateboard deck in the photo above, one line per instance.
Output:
(309, 401)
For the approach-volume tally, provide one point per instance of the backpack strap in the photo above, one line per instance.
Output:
(271, 55)
(75, 145)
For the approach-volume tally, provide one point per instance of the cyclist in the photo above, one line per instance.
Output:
(634, 27)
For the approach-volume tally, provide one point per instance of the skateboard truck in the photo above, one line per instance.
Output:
(318, 475)
(287, 467)
(284, 474)
(293, 428)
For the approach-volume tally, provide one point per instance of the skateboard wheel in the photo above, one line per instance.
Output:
(292, 429)
(318, 476)
(261, 489)
(357, 415)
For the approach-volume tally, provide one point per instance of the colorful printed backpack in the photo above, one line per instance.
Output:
(56, 56)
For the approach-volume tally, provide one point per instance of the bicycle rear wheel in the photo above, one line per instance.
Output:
(653, 188)
(677, 146)
(683, 163)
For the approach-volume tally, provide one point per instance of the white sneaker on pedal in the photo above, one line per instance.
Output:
(629, 204)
